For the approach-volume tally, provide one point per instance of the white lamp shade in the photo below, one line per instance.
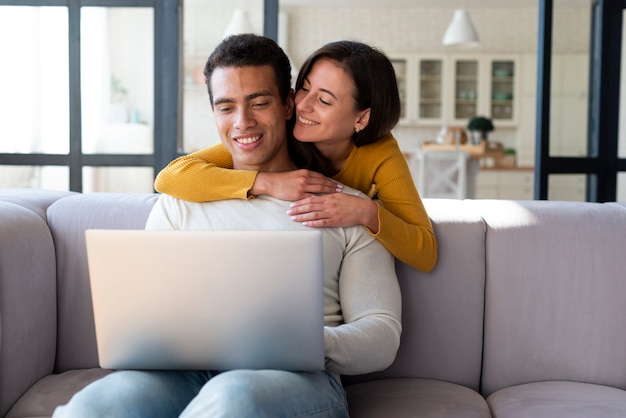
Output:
(238, 24)
(461, 31)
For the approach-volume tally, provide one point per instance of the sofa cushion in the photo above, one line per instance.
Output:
(555, 293)
(27, 301)
(558, 399)
(53, 390)
(408, 397)
(33, 199)
(68, 219)
(442, 311)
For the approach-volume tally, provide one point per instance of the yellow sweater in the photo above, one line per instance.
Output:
(378, 170)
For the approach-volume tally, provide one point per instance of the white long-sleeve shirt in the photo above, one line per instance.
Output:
(362, 303)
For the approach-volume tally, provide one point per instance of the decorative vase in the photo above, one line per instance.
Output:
(477, 136)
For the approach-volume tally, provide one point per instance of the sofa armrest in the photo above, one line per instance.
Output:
(27, 301)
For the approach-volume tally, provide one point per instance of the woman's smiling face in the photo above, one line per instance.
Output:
(325, 105)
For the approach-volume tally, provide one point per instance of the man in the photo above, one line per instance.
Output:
(361, 295)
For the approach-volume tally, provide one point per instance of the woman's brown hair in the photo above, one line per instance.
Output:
(375, 83)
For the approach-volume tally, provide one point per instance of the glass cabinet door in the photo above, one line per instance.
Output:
(502, 87)
(466, 89)
(430, 85)
(400, 67)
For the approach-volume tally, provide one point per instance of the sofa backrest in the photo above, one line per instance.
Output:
(543, 282)
(36, 200)
(556, 293)
(68, 219)
(442, 311)
(27, 278)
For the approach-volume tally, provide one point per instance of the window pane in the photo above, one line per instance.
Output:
(17, 176)
(567, 187)
(118, 179)
(54, 178)
(117, 80)
(621, 187)
(35, 177)
(35, 81)
(570, 78)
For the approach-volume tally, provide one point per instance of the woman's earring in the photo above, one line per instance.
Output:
(357, 129)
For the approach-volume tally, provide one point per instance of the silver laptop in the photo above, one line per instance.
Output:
(207, 300)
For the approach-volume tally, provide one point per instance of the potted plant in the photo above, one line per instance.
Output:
(479, 126)
(508, 160)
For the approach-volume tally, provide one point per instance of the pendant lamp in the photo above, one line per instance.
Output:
(238, 24)
(461, 31)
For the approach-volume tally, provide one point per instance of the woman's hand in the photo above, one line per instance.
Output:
(293, 185)
(337, 209)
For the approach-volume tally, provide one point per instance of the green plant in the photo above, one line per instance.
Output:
(510, 151)
(117, 89)
(480, 123)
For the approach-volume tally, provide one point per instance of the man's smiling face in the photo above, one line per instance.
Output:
(251, 117)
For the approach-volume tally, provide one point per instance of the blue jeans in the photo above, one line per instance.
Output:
(237, 393)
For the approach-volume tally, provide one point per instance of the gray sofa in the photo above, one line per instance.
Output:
(523, 316)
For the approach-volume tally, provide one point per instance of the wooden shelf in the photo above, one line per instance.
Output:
(482, 150)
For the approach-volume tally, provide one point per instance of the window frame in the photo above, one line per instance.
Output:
(167, 41)
(602, 164)
(168, 24)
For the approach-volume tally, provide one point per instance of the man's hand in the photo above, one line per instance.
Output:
(293, 185)
(337, 209)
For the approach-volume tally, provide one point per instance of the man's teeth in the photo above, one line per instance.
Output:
(306, 121)
(248, 140)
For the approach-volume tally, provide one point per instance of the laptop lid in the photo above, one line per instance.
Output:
(207, 300)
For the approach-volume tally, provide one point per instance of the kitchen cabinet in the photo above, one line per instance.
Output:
(502, 89)
(466, 89)
(421, 87)
(430, 105)
(518, 184)
(515, 184)
(449, 90)
(400, 67)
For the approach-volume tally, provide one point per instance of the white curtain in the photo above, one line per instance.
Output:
(34, 103)
(95, 75)
(34, 92)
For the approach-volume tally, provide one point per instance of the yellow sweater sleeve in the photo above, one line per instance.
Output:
(205, 175)
(404, 226)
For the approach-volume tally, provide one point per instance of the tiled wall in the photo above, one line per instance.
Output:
(407, 29)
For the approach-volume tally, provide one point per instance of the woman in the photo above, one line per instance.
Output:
(347, 102)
